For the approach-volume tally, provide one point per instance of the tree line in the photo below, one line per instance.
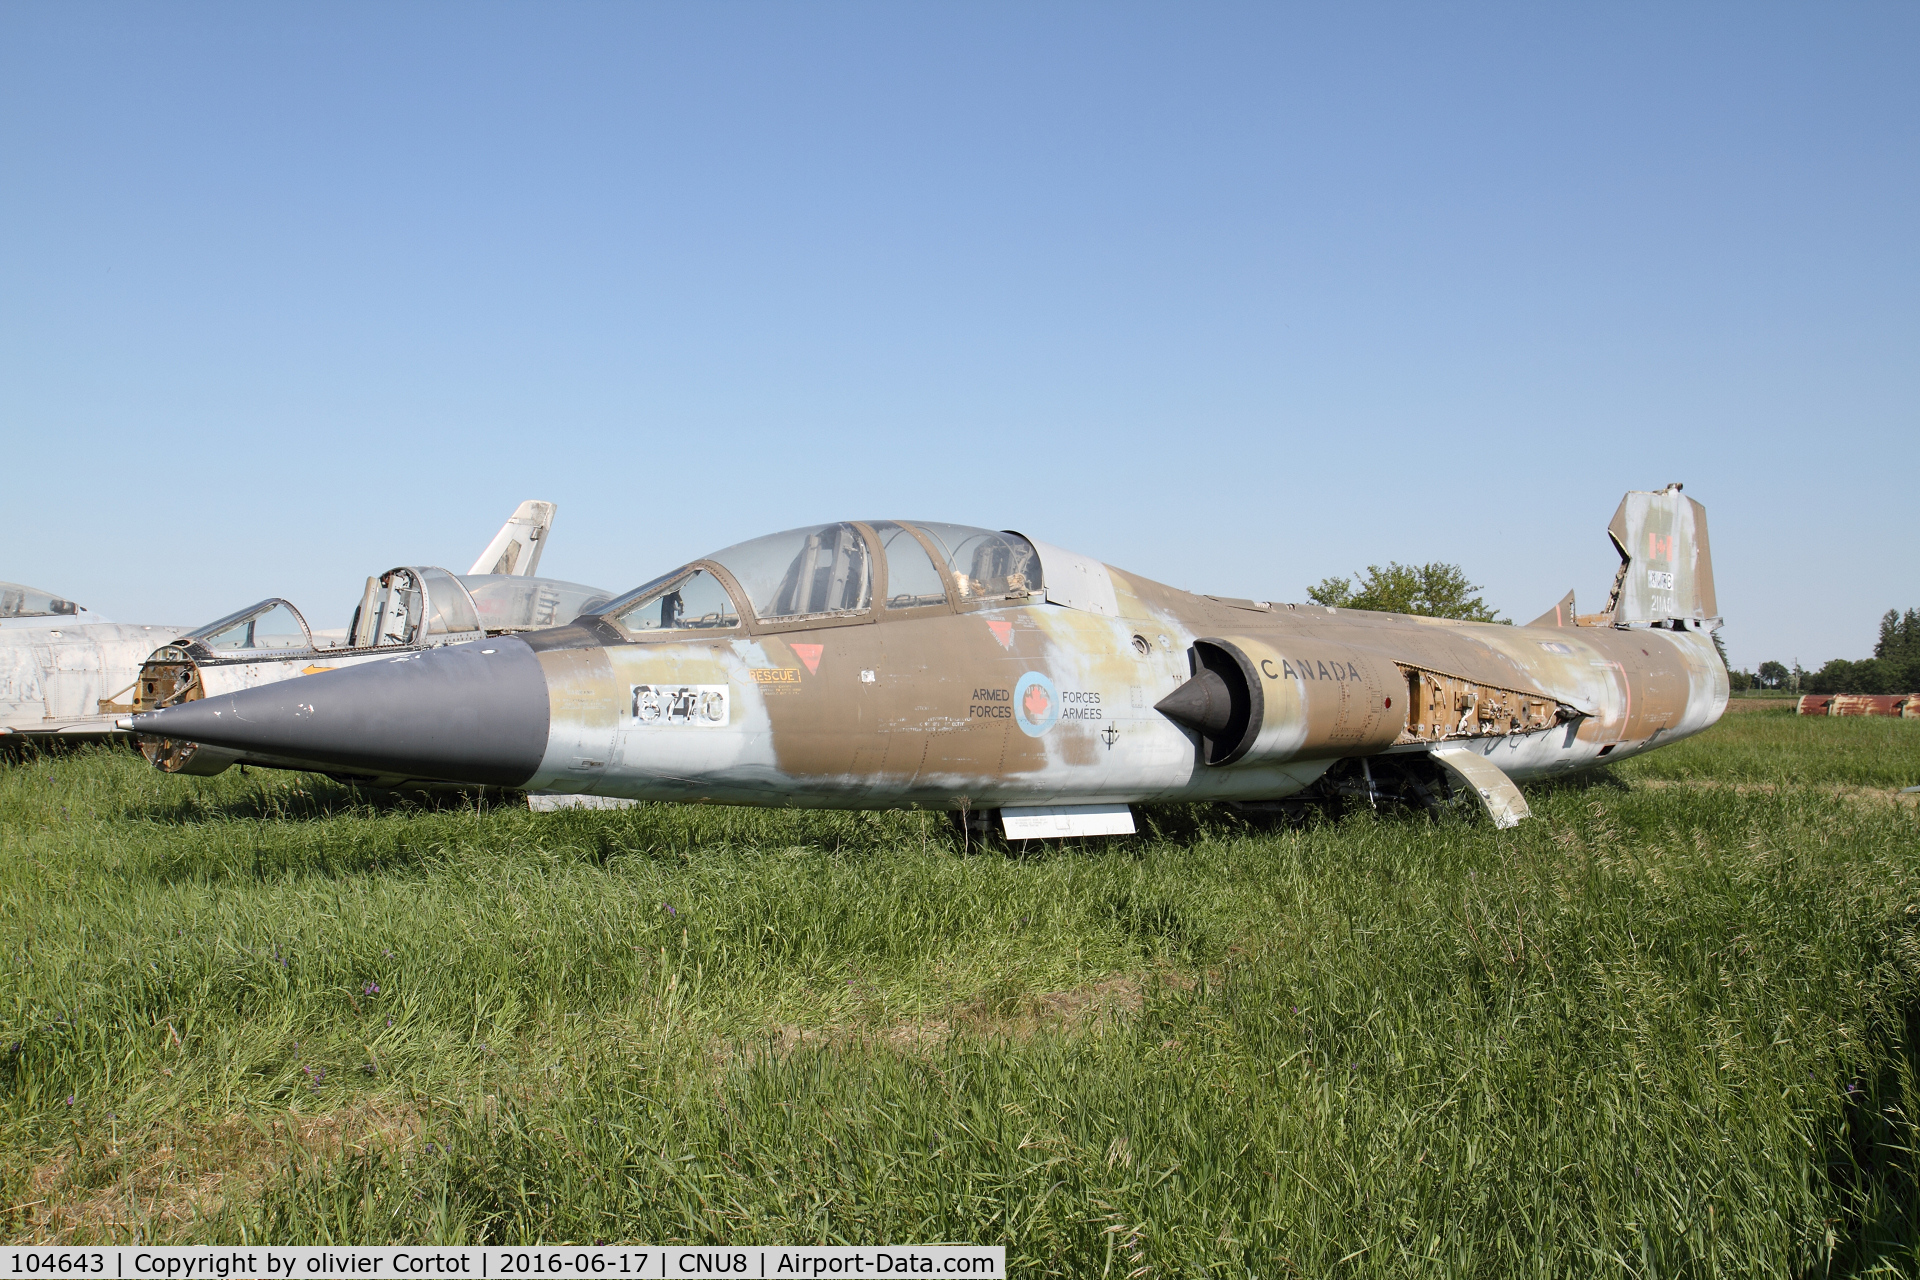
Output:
(1893, 668)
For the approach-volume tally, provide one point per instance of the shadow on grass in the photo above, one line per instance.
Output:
(1585, 782)
(315, 797)
(26, 749)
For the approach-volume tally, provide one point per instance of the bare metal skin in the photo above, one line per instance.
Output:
(886, 664)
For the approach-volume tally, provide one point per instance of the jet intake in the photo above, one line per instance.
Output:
(1253, 701)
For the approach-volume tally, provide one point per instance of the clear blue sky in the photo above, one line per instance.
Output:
(1236, 297)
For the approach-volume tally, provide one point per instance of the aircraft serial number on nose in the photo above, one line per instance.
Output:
(699, 706)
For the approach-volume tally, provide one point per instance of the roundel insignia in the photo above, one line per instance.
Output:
(1036, 704)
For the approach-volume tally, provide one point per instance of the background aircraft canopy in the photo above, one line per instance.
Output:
(271, 624)
(17, 601)
(517, 602)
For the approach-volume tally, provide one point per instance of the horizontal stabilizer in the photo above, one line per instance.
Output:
(1504, 803)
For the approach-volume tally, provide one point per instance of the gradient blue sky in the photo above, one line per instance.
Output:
(1236, 297)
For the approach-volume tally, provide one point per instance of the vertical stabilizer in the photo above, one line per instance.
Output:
(1561, 615)
(516, 548)
(1666, 567)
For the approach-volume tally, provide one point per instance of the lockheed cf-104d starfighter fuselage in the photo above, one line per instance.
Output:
(881, 664)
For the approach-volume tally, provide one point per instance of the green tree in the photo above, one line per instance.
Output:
(1433, 590)
(1737, 681)
(1899, 636)
(1893, 668)
(1772, 675)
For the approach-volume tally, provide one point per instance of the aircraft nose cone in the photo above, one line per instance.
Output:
(475, 713)
(1203, 704)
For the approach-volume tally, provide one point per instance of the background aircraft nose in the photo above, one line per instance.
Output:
(468, 713)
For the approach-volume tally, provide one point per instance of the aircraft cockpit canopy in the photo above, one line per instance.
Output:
(270, 625)
(422, 604)
(17, 601)
(515, 602)
(986, 565)
(828, 571)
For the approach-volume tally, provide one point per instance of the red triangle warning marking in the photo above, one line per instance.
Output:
(1002, 629)
(809, 654)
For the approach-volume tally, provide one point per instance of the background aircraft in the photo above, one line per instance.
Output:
(406, 610)
(65, 671)
(880, 664)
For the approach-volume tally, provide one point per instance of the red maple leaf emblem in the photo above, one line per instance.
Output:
(1036, 702)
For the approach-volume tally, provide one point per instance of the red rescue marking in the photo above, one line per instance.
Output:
(1002, 629)
(809, 654)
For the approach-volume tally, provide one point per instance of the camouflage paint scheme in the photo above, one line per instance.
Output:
(881, 711)
(1067, 683)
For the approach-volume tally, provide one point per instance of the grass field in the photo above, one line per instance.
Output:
(1667, 1028)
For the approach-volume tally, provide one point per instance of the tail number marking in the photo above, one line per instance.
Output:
(694, 706)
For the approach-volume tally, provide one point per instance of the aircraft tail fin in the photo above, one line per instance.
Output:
(1561, 615)
(516, 548)
(1666, 566)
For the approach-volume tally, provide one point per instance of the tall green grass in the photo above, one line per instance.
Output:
(1666, 1028)
(1774, 745)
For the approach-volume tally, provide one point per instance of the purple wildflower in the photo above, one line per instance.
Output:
(371, 989)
